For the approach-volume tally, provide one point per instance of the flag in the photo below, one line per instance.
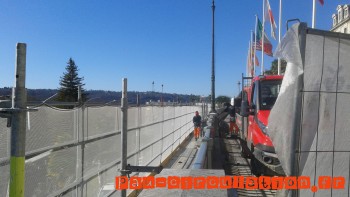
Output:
(257, 45)
(267, 43)
(321, 2)
(250, 62)
(269, 17)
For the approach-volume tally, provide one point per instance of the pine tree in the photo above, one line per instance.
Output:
(70, 81)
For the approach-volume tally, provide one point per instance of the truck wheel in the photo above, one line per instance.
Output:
(255, 167)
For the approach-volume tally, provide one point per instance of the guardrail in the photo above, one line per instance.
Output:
(203, 157)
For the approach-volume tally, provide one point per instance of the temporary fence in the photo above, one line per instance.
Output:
(77, 152)
(309, 124)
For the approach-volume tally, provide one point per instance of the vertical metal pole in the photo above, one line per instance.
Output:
(242, 117)
(252, 54)
(279, 36)
(161, 99)
(313, 13)
(79, 94)
(82, 187)
(18, 126)
(255, 41)
(296, 140)
(124, 133)
(213, 66)
(137, 100)
(263, 41)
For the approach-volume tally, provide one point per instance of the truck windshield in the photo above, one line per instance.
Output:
(269, 90)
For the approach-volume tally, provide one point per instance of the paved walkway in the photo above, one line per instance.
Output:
(184, 155)
(227, 160)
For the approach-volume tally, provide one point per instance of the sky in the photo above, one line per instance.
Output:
(165, 41)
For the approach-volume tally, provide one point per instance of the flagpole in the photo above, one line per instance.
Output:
(251, 53)
(256, 24)
(263, 36)
(279, 36)
(246, 69)
(313, 13)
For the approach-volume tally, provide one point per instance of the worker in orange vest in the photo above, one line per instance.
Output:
(233, 126)
(197, 121)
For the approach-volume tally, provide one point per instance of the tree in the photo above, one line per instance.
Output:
(223, 99)
(274, 67)
(70, 81)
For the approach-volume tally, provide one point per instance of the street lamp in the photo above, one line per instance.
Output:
(213, 67)
(239, 86)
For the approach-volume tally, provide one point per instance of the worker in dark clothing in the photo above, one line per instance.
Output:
(197, 121)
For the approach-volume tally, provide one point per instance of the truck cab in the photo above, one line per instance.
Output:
(258, 98)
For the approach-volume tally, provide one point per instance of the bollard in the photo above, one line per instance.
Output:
(18, 126)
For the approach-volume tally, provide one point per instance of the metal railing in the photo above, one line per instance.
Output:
(203, 156)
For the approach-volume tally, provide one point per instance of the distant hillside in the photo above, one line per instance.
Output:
(102, 96)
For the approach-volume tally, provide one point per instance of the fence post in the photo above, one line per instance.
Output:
(79, 95)
(18, 126)
(124, 132)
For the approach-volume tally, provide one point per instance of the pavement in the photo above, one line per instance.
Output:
(227, 160)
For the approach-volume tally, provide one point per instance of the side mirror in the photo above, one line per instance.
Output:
(252, 110)
(244, 109)
(237, 102)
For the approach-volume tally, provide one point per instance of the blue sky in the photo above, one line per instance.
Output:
(165, 41)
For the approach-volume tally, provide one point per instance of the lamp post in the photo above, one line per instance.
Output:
(239, 86)
(213, 66)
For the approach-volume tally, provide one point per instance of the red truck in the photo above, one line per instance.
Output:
(257, 99)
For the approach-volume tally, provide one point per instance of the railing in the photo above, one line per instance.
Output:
(76, 152)
(203, 158)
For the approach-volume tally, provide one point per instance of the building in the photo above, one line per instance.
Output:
(341, 20)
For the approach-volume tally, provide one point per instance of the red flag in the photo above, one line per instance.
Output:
(321, 2)
(269, 17)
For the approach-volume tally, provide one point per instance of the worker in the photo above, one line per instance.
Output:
(233, 126)
(197, 121)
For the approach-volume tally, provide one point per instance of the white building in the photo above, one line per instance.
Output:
(341, 20)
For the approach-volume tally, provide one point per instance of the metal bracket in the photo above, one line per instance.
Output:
(7, 112)
(291, 20)
(130, 169)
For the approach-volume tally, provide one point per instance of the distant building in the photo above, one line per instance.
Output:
(341, 20)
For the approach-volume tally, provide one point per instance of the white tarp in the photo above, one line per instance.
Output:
(314, 106)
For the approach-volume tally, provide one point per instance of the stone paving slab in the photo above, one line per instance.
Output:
(192, 192)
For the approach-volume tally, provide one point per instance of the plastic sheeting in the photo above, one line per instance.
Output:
(309, 124)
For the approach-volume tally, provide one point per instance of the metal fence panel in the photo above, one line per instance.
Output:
(321, 78)
(331, 112)
(4, 179)
(100, 153)
(101, 120)
(51, 171)
(4, 139)
(63, 146)
(50, 127)
(133, 117)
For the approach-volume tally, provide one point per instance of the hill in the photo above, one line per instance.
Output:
(102, 96)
